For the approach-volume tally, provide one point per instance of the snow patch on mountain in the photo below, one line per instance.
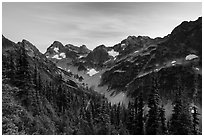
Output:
(56, 49)
(197, 68)
(113, 53)
(119, 71)
(59, 67)
(157, 69)
(123, 46)
(81, 56)
(191, 56)
(173, 62)
(92, 72)
(62, 55)
(56, 57)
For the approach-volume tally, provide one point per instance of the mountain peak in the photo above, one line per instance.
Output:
(83, 46)
(187, 26)
(100, 47)
(84, 49)
(26, 42)
(131, 37)
(55, 47)
(57, 44)
(69, 45)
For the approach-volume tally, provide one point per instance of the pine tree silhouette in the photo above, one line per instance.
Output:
(195, 115)
(163, 127)
(152, 124)
(140, 118)
(180, 123)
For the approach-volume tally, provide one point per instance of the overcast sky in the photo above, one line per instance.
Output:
(92, 24)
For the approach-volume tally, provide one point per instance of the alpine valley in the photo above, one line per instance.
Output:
(140, 85)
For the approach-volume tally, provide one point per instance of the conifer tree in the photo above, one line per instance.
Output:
(130, 118)
(35, 77)
(12, 69)
(152, 124)
(23, 74)
(175, 122)
(118, 112)
(139, 117)
(104, 119)
(134, 122)
(194, 110)
(4, 67)
(113, 114)
(23, 78)
(8, 68)
(91, 119)
(180, 123)
(60, 98)
(123, 115)
(195, 120)
(163, 128)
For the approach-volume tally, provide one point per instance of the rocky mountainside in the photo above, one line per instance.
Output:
(171, 52)
(40, 98)
(48, 70)
(116, 70)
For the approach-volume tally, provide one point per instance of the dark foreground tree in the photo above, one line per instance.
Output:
(180, 123)
(152, 124)
(195, 115)
(139, 117)
(163, 128)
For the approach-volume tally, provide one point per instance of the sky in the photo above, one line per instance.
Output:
(92, 24)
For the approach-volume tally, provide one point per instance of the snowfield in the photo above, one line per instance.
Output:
(191, 56)
(62, 55)
(91, 72)
(173, 63)
(81, 56)
(56, 49)
(113, 53)
(197, 68)
(56, 57)
(123, 46)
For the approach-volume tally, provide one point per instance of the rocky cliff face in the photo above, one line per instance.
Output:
(121, 68)
(58, 51)
(178, 54)
(48, 71)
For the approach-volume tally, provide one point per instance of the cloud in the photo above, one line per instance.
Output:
(92, 23)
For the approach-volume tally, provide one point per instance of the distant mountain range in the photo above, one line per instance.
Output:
(122, 70)
(119, 68)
